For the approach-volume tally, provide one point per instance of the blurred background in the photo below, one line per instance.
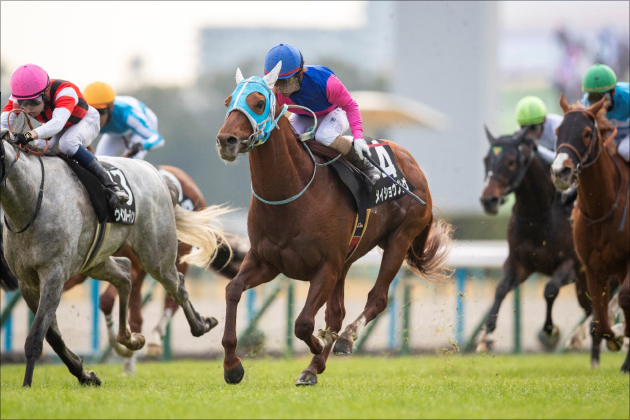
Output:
(454, 65)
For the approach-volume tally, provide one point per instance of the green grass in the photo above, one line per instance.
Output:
(485, 386)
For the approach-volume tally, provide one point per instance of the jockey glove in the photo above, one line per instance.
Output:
(360, 145)
(134, 149)
(22, 139)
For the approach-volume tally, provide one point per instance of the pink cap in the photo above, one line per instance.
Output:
(29, 81)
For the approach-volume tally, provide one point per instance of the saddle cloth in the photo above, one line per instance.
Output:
(384, 190)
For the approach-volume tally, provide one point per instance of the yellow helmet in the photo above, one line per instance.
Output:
(99, 95)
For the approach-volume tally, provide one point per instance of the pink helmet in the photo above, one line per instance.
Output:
(29, 81)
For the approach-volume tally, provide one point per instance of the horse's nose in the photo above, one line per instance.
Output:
(566, 172)
(226, 140)
(490, 204)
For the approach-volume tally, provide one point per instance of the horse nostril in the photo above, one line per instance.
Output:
(566, 172)
(232, 141)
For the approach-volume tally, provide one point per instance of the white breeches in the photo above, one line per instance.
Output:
(334, 124)
(69, 139)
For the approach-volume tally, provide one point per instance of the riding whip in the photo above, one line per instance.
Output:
(412, 195)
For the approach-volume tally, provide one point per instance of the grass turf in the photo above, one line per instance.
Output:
(484, 386)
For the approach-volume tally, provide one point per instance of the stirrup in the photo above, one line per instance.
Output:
(117, 196)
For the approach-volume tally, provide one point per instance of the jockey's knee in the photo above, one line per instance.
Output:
(624, 149)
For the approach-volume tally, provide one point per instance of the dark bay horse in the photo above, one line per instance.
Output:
(228, 261)
(601, 223)
(539, 233)
(307, 239)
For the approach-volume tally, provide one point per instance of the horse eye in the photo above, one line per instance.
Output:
(261, 104)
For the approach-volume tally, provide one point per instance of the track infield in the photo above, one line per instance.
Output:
(447, 386)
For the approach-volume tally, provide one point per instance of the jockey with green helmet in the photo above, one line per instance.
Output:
(531, 114)
(67, 119)
(600, 82)
(318, 89)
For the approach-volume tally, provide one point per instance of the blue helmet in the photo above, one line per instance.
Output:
(291, 57)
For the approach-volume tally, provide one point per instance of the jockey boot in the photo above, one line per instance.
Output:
(344, 146)
(116, 195)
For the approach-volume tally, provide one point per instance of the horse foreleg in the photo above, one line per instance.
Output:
(513, 275)
(599, 291)
(335, 313)
(549, 336)
(253, 273)
(624, 302)
(116, 271)
(44, 307)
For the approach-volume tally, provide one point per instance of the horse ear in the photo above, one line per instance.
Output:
(594, 109)
(488, 135)
(239, 76)
(272, 76)
(564, 104)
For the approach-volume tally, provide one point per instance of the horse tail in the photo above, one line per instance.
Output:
(203, 231)
(429, 251)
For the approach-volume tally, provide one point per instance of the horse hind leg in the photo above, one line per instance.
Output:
(393, 257)
(116, 271)
(335, 313)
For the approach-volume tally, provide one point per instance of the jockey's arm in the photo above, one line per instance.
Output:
(339, 95)
(150, 138)
(65, 101)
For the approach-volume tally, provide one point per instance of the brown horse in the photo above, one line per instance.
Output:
(226, 263)
(539, 233)
(601, 223)
(307, 239)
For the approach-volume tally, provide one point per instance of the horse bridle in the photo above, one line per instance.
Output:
(524, 163)
(583, 160)
(582, 164)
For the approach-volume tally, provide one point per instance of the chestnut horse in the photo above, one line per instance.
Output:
(226, 263)
(306, 236)
(601, 223)
(539, 233)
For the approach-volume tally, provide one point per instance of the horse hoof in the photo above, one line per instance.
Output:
(549, 340)
(614, 344)
(306, 378)
(234, 376)
(154, 350)
(594, 364)
(90, 378)
(485, 346)
(625, 368)
(137, 341)
(211, 323)
(343, 347)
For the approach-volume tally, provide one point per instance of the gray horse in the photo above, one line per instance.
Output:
(61, 231)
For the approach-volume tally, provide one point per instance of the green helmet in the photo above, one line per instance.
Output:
(530, 110)
(599, 78)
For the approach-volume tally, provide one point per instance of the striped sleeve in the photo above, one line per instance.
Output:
(151, 137)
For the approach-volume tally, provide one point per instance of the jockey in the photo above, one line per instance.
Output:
(318, 89)
(531, 113)
(600, 82)
(129, 128)
(67, 119)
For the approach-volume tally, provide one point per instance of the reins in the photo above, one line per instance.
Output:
(6, 173)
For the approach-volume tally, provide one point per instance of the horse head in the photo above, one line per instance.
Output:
(577, 137)
(505, 164)
(257, 115)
